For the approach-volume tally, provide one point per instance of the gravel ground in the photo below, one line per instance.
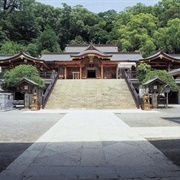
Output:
(166, 117)
(19, 130)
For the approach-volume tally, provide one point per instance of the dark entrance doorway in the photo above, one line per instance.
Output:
(18, 96)
(91, 74)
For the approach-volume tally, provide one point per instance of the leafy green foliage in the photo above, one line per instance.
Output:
(141, 28)
(48, 40)
(164, 77)
(144, 74)
(10, 47)
(142, 70)
(13, 76)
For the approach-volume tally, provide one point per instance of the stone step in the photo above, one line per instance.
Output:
(91, 94)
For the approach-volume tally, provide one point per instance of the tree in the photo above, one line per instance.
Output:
(135, 32)
(173, 30)
(77, 40)
(32, 50)
(48, 40)
(168, 38)
(162, 74)
(13, 76)
(142, 70)
(166, 10)
(3, 36)
(46, 15)
(10, 47)
(20, 25)
(141, 28)
(10, 5)
(139, 8)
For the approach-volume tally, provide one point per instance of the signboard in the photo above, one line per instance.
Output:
(142, 91)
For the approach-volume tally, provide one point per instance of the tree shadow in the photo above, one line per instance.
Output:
(93, 160)
(172, 119)
(170, 148)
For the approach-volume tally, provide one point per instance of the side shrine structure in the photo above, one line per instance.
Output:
(94, 62)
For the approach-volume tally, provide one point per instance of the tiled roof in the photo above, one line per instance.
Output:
(126, 56)
(155, 79)
(80, 48)
(159, 53)
(92, 52)
(56, 57)
(177, 56)
(21, 53)
(174, 72)
(68, 57)
(27, 80)
(4, 56)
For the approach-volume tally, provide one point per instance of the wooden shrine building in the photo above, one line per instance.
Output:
(93, 61)
(162, 61)
(90, 61)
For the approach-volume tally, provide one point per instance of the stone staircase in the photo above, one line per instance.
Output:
(91, 94)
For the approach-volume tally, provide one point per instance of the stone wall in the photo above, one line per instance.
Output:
(6, 101)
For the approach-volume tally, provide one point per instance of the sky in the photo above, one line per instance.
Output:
(99, 5)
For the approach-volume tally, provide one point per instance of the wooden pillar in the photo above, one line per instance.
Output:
(58, 71)
(102, 71)
(65, 72)
(120, 73)
(117, 70)
(80, 70)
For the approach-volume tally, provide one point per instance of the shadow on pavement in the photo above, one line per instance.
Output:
(170, 148)
(10, 151)
(172, 119)
(98, 159)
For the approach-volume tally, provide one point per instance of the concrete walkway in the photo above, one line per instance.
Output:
(91, 144)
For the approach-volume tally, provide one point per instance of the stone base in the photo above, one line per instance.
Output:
(34, 107)
(146, 106)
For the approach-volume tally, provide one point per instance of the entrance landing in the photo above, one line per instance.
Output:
(91, 144)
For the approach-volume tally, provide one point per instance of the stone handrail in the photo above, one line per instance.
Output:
(49, 90)
(133, 90)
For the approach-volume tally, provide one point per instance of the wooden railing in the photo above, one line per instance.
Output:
(133, 90)
(46, 75)
(49, 90)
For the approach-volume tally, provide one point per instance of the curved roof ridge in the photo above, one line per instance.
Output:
(91, 52)
(21, 54)
(160, 54)
(91, 49)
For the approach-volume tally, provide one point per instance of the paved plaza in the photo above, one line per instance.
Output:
(94, 144)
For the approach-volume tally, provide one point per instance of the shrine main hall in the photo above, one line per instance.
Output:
(91, 61)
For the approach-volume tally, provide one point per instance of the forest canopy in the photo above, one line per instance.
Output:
(36, 28)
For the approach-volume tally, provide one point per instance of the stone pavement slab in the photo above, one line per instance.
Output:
(159, 132)
(91, 144)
